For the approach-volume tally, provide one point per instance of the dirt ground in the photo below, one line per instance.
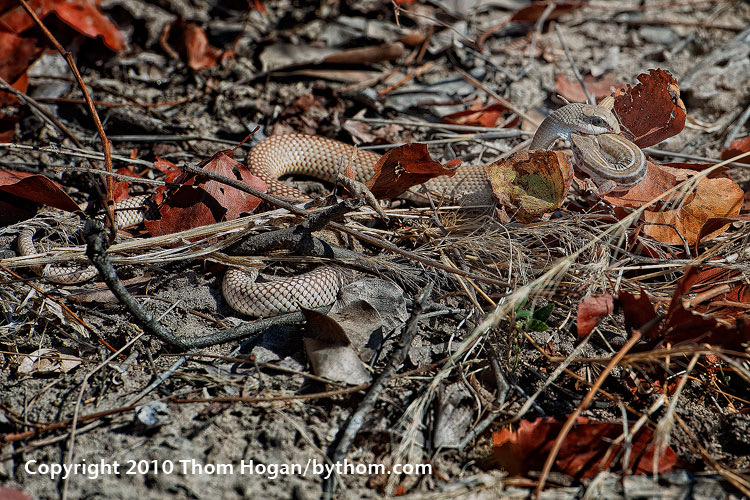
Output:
(191, 440)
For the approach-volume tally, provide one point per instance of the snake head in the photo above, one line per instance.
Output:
(599, 119)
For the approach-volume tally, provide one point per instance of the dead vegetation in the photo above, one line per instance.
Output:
(597, 346)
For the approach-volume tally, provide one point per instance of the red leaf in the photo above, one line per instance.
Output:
(81, 15)
(36, 188)
(583, 453)
(191, 41)
(198, 202)
(532, 12)
(403, 167)
(737, 147)
(491, 116)
(638, 311)
(682, 325)
(16, 55)
(591, 310)
(572, 91)
(86, 18)
(652, 110)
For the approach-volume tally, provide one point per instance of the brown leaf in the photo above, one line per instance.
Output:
(591, 310)
(599, 89)
(584, 451)
(532, 12)
(36, 188)
(737, 147)
(652, 110)
(638, 310)
(710, 198)
(330, 352)
(81, 15)
(717, 225)
(403, 167)
(727, 325)
(529, 184)
(16, 55)
(491, 116)
(198, 202)
(189, 40)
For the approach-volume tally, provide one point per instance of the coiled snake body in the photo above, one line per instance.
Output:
(323, 158)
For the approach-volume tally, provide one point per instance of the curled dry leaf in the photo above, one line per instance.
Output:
(403, 167)
(198, 202)
(599, 89)
(591, 310)
(737, 147)
(683, 215)
(652, 110)
(529, 184)
(584, 452)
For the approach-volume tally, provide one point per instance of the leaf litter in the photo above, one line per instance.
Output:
(494, 342)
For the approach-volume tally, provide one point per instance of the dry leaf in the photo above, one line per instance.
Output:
(681, 214)
(403, 167)
(198, 202)
(81, 15)
(491, 116)
(330, 352)
(599, 89)
(591, 310)
(638, 310)
(32, 187)
(737, 147)
(529, 184)
(584, 450)
(189, 40)
(652, 110)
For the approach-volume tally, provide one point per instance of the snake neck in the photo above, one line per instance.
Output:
(557, 125)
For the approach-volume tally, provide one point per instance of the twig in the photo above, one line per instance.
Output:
(466, 76)
(96, 250)
(661, 152)
(581, 407)
(737, 126)
(106, 146)
(386, 245)
(430, 125)
(537, 33)
(357, 420)
(589, 98)
(41, 110)
(84, 385)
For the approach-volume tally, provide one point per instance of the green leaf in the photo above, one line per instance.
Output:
(544, 313)
(534, 325)
(525, 314)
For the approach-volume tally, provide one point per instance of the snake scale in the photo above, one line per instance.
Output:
(321, 158)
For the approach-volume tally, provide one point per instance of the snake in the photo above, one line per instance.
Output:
(323, 158)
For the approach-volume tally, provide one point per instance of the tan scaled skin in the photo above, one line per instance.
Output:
(577, 117)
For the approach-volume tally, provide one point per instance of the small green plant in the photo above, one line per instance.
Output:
(533, 320)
